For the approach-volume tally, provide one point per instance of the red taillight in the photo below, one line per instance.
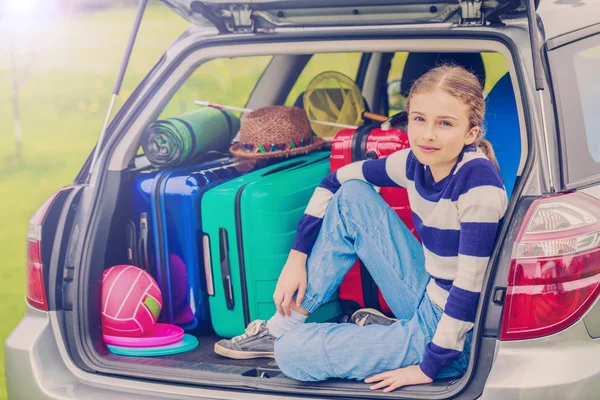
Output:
(554, 275)
(36, 289)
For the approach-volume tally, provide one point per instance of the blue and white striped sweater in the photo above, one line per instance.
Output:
(457, 219)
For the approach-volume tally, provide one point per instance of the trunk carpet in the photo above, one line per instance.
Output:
(204, 353)
(201, 358)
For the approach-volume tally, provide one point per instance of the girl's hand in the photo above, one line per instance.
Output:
(392, 380)
(291, 279)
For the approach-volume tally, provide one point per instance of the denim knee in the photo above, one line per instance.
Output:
(286, 356)
(297, 354)
(355, 193)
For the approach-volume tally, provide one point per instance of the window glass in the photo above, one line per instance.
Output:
(396, 101)
(576, 85)
(495, 68)
(346, 63)
(587, 65)
(227, 81)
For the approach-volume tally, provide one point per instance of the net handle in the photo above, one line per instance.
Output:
(374, 117)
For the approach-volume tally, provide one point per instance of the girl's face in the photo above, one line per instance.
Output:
(438, 129)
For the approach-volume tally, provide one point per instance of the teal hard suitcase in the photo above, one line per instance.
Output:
(249, 224)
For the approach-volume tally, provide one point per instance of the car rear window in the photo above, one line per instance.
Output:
(228, 81)
(587, 66)
(346, 63)
(576, 80)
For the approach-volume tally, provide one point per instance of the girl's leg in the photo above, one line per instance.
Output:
(358, 223)
(316, 352)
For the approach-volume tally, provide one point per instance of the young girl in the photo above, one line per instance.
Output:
(457, 198)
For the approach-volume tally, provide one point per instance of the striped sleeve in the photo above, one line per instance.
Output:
(388, 171)
(481, 206)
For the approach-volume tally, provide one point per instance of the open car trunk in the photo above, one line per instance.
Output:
(262, 373)
(110, 245)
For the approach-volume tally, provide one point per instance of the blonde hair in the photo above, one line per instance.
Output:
(461, 84)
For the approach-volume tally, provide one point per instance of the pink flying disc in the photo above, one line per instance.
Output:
(161, 335)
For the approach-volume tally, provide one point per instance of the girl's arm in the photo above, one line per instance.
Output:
(480, 209)
(388, 171)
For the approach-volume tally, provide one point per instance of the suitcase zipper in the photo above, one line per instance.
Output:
(240, 246)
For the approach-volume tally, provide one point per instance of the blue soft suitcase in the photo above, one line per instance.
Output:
(164, 235)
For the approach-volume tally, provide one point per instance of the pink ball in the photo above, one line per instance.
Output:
(131, 301)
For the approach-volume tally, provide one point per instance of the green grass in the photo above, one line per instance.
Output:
(63, 103)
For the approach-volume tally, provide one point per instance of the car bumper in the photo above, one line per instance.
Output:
(37, 367)
(561, 366)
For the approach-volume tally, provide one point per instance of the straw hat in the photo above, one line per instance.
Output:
(275, 131)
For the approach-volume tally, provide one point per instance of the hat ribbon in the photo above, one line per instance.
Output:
(272, 147)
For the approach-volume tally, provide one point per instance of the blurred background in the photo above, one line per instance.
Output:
(58, 64)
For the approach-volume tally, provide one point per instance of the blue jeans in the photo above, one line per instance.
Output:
(359, 224)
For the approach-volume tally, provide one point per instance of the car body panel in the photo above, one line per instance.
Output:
(38, 368)
(563, 17)
(561, 366)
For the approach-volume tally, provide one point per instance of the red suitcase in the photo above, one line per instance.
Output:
(358, 290)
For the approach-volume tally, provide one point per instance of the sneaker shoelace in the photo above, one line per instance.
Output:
(362, 320)
(253, 328)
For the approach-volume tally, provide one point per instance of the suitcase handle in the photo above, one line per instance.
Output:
(143, 245)
(132, 243)
(225, 268)
(399, 119)
(210, 287)
(283, 168)
(359, 141)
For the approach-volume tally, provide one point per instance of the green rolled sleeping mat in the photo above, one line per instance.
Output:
(174, 141)
(249, 224)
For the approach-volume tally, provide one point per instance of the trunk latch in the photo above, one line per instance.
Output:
(499, 295)
(241, 18)
(471, 13)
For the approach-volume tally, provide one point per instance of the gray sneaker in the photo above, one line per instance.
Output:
(370, 316)
(256, 342)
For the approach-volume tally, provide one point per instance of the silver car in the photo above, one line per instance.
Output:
(538, 324)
